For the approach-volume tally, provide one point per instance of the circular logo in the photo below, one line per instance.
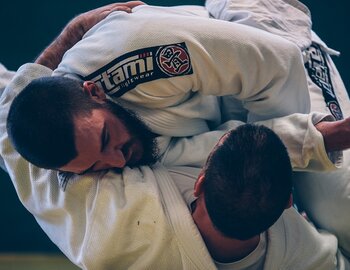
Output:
(335, 110)
(173, 60)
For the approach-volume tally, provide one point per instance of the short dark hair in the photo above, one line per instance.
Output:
(40, 120)
(247, 181)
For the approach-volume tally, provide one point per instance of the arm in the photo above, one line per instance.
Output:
(215, 57)
(304, 135)
(262, 70)
(335, 134)
(75, 30)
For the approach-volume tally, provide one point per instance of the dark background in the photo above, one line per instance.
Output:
(27, 27)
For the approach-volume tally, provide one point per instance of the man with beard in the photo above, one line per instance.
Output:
(185, 113)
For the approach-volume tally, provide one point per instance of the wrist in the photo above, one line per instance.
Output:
(335, 134)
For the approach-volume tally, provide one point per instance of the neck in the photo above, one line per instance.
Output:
(226, 250)
(221, 248)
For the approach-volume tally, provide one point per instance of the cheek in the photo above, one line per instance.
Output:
(119, 135)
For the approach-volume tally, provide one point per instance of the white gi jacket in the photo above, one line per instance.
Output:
(174, 60)
(137, 220)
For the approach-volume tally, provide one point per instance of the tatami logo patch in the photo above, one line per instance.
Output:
(320, 75)
(148, 64)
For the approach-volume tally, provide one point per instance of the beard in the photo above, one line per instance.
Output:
(138, 131)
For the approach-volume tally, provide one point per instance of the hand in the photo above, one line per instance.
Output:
(88, 19)
(75, 30)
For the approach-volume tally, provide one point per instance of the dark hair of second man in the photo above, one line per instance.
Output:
(248, 181)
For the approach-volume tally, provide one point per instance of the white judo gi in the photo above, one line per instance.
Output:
(169, 63)
(138, 219)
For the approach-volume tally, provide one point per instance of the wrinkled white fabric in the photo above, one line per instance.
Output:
(5, 78)
(226, 59)
(287, 18)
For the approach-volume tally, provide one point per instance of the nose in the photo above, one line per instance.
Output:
(113, 159)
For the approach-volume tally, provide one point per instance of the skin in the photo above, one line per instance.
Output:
(75, 30)
(102, 140)
(335, 134)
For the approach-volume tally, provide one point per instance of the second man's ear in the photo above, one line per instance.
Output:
(94, 91)
(198, 186)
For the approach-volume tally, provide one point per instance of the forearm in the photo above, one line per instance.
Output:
(335, 134)
(53, 54)
(75, 30)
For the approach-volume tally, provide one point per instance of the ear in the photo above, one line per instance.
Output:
(198, 186)
(290, 202)
(91, 89)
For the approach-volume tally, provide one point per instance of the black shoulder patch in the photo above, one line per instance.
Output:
(148, 64)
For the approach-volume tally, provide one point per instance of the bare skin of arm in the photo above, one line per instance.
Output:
(335, 134)
(75, 30)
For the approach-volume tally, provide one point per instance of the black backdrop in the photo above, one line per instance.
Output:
(28, 26)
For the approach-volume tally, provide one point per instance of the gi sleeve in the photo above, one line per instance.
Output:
(170, 60)
(303, 141)
(262, 70)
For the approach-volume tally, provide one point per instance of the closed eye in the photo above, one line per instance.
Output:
(90, 169)
(104, 138)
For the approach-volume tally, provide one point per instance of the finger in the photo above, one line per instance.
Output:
(121, 8)
(132, 4)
